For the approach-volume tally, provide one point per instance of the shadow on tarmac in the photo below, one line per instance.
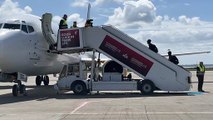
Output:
(41, 93)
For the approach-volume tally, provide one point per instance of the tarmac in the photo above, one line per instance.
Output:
(42, 103)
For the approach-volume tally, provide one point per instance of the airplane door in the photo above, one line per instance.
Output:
(33, 52)
(47, 29)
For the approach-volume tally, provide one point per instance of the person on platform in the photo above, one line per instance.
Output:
(63, 22)
(74, 25)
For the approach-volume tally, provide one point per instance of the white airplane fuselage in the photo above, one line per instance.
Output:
(26, 52)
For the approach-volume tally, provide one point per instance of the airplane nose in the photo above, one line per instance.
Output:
(6, 48)
(1, 51)
(2, 38)
(14, 50)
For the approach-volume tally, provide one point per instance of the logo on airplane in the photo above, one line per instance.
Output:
(125, 56)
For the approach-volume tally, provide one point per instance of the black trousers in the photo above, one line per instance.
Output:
(200, 82)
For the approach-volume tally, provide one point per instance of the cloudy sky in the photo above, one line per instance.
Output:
(179, 25)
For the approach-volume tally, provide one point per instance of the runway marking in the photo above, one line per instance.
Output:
(64, 115)
(148, 113)
(79, 107)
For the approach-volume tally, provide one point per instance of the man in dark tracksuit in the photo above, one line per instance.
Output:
(173, 58)
(152, 46)
(200, 75)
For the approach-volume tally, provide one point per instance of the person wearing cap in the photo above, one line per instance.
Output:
(89, 23)
(200, 75)
(63, 22)
(152, 46)
(74, 25)
(173, 58)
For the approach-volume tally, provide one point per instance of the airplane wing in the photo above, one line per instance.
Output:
(192, 67)
(189, 53)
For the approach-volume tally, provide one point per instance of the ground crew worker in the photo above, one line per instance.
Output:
(152, 46)
(173, 58)
(74, 25)
(63, 22)
(89, 23)
(200, 75)
(129, 77)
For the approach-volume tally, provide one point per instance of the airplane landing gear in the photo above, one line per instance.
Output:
(41, 78)
(46, 80)
(38, 80)
(19, 88)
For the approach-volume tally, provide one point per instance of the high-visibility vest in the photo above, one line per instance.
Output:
(64, 22)
(63, 25)
(201, 70)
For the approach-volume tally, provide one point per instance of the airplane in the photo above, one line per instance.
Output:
(24, 51)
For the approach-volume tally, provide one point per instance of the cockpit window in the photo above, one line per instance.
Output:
(30, 29)
(11, 26)
(24, 28)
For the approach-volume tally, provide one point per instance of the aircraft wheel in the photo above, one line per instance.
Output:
(79, 88)
(15, 90)
(46, 80)
(147, 87)
(23, 90)
(38, 80)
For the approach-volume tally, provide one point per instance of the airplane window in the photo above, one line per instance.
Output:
(11, 26)
(24, 28)
(30, 28)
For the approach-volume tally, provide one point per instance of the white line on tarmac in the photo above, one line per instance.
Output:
(148, 113)
(79, 107)
(180, 113)
(113, 113)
